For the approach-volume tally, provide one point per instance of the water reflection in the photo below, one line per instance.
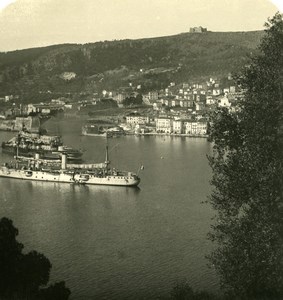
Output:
(115, 242)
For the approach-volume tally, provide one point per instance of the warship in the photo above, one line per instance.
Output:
(38, 169)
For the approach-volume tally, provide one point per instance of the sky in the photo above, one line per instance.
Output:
(36, 23)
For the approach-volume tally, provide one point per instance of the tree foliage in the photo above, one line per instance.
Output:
(183, 291)
(23, 276)
(133, 100)
(247, 166)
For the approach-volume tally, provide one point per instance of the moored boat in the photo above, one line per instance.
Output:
(90, 174)
(48, 146)
(102, 131)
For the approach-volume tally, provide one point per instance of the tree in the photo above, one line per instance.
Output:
(133, 100)
(22, 276)
(183, 291)
(33, 271)
(56, 291)
(10, 254)
(247, 165)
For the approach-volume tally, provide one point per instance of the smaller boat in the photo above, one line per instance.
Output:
(102, 130)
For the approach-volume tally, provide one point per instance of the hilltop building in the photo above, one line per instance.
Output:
(198, 29)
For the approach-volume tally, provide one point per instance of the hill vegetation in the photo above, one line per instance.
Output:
(152, 62)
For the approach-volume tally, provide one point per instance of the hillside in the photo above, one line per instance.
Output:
(152, 62)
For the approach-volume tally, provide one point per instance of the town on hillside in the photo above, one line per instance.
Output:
(179, 109)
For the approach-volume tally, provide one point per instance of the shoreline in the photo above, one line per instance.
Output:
(153, 134)
(169, 134)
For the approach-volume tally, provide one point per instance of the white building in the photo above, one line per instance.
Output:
(119, 98)
(141, 129)
(224, 102)
(134, 119)
(157, 106)
(177, 126)
(153, 96)
(210, 100)
(163, 125)
(196, 127)
(216, 92)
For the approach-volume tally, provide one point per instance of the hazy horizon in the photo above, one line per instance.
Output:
(31, 23)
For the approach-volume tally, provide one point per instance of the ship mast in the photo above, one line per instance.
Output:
(17, 144)
(107, 161)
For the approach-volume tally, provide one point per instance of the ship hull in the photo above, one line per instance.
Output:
(113, 180)
(69, 177)
(94, 134)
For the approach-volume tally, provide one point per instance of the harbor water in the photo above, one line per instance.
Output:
(116, 242)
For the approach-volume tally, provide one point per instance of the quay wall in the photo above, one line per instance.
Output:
(169, 134)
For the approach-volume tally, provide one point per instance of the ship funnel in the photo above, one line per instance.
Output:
(64, 161)
(36, 157)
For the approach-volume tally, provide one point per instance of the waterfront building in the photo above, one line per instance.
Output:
(12, 112)
(141, 129)
(32, 124)
(177, 126)
(163, 125)
(195, 127)
(44, 108)
(134, 119)
(7, 125)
